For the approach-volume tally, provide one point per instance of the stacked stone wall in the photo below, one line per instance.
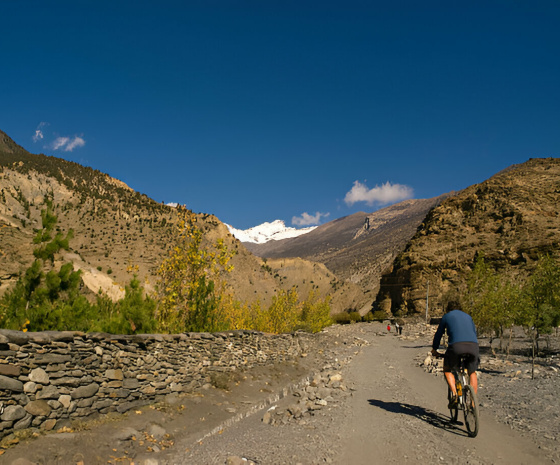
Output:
(48, 379)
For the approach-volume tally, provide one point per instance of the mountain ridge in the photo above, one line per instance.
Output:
(512, 218)
(119, 232)
(358, 248)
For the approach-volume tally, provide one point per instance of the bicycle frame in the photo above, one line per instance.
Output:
(466, 397)
(461, 380)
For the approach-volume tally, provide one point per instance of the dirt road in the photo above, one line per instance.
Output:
(398, 415)
(386, 409)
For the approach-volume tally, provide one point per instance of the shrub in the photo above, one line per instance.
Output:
(378, 315)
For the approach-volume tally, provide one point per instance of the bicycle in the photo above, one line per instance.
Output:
(466, 398)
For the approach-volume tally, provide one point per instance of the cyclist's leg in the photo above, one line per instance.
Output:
(449, 362)
(473, 381)
(472, 365)
(450, 382)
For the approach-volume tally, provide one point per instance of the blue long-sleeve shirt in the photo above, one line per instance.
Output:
(460, 328)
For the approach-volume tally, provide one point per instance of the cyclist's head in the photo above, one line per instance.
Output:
(453, 305)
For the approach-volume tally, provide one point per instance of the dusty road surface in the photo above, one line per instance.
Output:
(398, 415)
(363, 400)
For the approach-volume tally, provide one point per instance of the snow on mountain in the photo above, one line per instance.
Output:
(265, 232)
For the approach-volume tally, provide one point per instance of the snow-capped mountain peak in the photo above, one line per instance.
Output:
(265, 232)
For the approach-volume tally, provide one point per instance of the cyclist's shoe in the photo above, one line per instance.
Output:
(453, 402)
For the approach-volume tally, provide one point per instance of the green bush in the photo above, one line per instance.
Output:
(346, 318)
(378, 315)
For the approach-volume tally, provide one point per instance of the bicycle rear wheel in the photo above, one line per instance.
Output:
(453, 412)
(470, 410)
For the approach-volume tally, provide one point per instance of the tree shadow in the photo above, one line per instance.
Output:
(429, 416)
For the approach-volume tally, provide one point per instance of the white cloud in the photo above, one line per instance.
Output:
(309, 220)
(74, 143)
(385, 194)
(59, 143)
(39, 132)
(67, 144)
(38, 135)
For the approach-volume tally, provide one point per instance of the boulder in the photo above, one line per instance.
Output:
(13, 413)
(10, 384)
(85, 391)
(39, 408)
(38, 375)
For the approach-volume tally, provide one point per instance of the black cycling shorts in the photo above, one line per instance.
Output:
(454, 351)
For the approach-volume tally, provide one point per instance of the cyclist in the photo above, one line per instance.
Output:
(461, 332)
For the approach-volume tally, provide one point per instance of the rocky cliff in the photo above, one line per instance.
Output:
(512, 218)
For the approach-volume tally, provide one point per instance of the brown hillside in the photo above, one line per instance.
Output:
(356, 248)
(118, 232)
(511, 218)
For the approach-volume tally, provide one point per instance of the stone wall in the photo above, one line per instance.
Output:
(48, 379)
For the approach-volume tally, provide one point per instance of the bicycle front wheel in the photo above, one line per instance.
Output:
(453, 412)
(470, 410)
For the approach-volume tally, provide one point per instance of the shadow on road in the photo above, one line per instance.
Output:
(429, 416)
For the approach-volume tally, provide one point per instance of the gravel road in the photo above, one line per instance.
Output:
(363, 397)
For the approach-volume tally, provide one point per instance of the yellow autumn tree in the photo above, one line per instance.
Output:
(191, 284)
(283, 315)
(315, 313)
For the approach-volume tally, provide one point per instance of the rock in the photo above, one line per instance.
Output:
(48, 392)
(10, 384)
(49, 425)
(83, 403)
(126, 433)
(131, 383)
(40, 376)
(65, 400)
(30, 387)
(66, 381)
(297, 410)
(38, 408)
(235, 460)
(47, 359)
(85, 391)
(101, 404)
(9, 370)
(121, 408)
(54, 404)
(323, 392)
(156, 431)
(267, 418)
(335, 378)
(24, 423)
(13, 413)
(114, 375)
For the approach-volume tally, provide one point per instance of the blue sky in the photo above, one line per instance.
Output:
(303, 111)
